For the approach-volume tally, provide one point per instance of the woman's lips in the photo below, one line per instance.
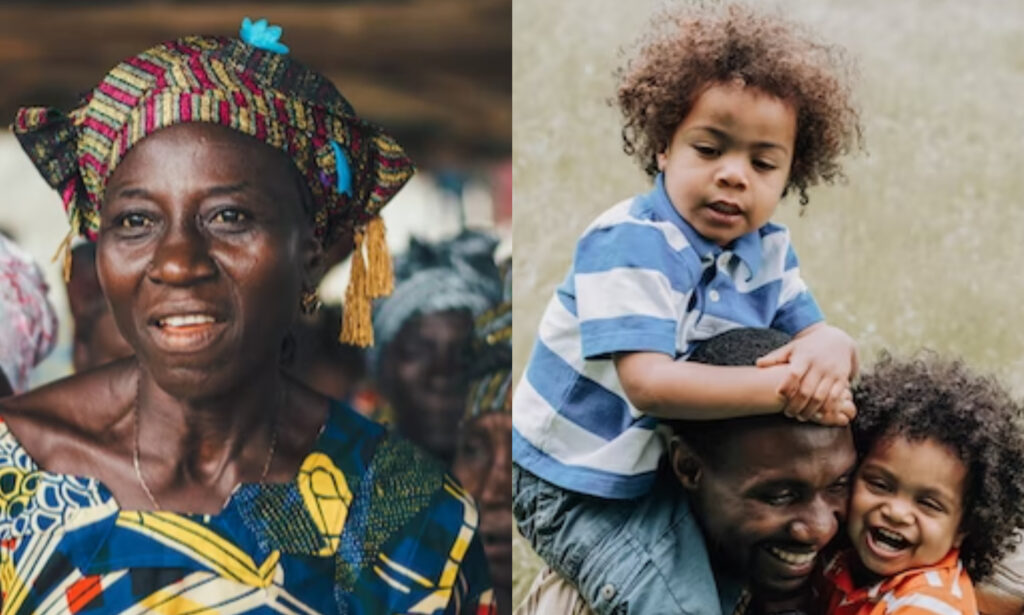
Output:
(184, 333)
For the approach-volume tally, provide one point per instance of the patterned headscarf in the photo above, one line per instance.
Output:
(352, 168)
(491, 380)
(458, 274)
(28, 323)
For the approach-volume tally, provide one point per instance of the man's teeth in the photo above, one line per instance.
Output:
(797, 559)
(186, 320)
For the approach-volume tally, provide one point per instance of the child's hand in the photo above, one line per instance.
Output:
(837, 411)
(823, 361)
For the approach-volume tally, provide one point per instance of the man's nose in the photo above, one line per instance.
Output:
(816, 523)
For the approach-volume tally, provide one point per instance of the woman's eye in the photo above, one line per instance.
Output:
(473, 449)
(230, 216)
(134, 220)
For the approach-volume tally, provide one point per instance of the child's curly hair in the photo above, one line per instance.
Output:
(929, 397)
(691, 48)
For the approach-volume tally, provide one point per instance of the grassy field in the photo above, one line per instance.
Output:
(921, 248)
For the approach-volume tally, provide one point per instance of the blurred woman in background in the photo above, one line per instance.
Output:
(424, 333)
(483, 458)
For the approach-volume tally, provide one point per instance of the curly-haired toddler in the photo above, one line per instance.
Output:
(938, 493)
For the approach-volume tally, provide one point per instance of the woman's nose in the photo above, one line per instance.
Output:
(497, 487)
(182, 257)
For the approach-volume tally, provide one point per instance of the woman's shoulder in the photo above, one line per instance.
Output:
(80, 407)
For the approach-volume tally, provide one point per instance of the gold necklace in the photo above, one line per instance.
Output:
(136, 458)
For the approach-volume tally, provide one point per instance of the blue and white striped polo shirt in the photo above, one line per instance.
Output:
(642, 279)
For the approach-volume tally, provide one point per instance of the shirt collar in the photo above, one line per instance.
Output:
(746, 247)
(844, 579)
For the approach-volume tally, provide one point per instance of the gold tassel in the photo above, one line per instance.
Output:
(64, 249)
(381, 279)
(356, 321)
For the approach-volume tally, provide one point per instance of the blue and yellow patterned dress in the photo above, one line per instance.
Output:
(369, 526)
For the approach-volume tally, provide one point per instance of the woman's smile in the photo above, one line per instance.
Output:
(187, 333)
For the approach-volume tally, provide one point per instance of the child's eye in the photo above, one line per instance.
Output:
(706, 150)
(932, 505)
(764, 165)
(877, 485)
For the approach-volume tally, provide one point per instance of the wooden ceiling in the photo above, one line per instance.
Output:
(436, 73)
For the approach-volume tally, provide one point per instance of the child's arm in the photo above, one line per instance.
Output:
(824, 359)
(662, 387)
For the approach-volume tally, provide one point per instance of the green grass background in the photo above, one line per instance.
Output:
(923, 247)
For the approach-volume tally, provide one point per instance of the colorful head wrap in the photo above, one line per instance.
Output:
(352, 168)
(458, 274)
(28, 323)
(491, 381)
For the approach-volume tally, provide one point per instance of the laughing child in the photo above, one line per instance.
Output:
(938, 494)
(727, 110)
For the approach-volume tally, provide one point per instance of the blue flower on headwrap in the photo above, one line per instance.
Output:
(262, 35)
(341, 167)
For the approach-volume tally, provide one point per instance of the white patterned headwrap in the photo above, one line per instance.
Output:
(28, 323)
(458, 274)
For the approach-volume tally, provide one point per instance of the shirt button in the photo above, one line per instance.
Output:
(608, 591)
(713, 295)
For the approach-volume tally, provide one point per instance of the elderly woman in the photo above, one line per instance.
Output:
(483, 457)
(195, 475)
(425, 330)
(28, 324)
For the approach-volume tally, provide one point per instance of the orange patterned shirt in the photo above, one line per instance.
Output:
(941, 589)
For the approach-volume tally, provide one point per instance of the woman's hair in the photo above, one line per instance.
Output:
(689, 49)
(928, 397)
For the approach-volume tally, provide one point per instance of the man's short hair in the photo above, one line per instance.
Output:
(735, 348)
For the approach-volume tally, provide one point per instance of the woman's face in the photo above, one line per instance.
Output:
(423, 376)
(202, 255)
(483, 464)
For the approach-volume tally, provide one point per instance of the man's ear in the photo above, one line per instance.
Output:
(686, 464)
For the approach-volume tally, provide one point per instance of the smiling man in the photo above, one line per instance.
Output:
(752, 502)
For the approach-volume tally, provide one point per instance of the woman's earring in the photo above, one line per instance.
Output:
(310, 301)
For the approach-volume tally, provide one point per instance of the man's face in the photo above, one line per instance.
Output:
(772, 499)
